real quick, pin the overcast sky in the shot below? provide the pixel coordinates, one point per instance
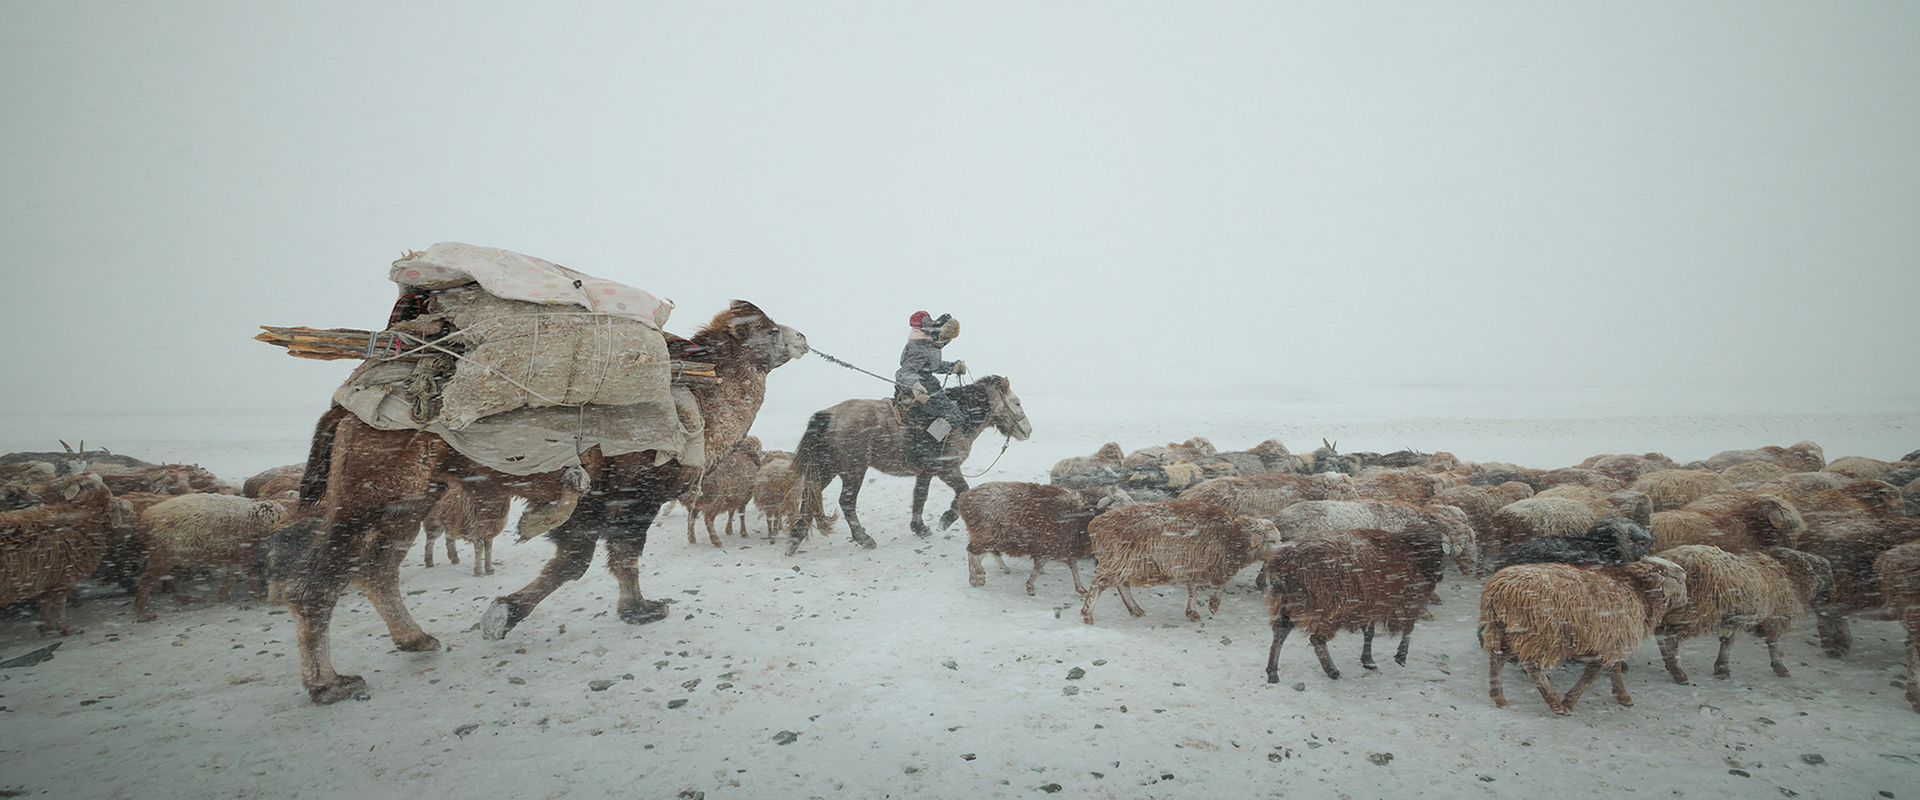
(1701, 206)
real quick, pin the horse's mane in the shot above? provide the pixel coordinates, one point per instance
(972, 399)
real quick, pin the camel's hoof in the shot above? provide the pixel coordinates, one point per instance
(344, 687)
(141, 618)
(422, 643)
(641, 612)
(500, 618)
(1333, 674)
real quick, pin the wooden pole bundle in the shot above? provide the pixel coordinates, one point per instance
(335, 343)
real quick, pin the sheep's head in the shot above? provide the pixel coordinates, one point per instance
(1110, 452)
(1783, 522)
(1811, 573)
(1662, 582)
(1263, 537)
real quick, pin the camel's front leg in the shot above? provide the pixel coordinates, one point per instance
(573, 553)
(312, 609)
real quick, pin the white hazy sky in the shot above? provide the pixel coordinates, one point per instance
(1698, 206)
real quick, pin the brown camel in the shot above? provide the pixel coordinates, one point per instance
(367, 490)
(847, 439)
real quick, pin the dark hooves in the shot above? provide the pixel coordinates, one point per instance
(346, 687)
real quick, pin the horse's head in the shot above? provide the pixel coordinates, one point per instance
(1003, 408)
(767, 344)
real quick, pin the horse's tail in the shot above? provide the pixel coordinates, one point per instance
(813, 470)
(313, 482)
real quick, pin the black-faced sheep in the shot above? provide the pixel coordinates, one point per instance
(1544, 614)
(1802, 457)
(202, 530)
(725, 489)
(1031, 520)
(1851, 543)
(1104, 468)
(1899, 572)
(1764, 591)
(1612, 540)
(1386, 515)
(1732, 521)
(46, 550)
(1672, 488)
(1149, 544)
(1328, 581)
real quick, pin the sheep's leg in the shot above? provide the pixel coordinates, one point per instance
(1774, 656)
(1618, 673)
(226, 586)
(1282, 625)
(1073, 565)
(1494, 637)
(53, 612)
(1126, 596)
(1400, 653)
(1721, 669)
(1326, 659)
(483, 554)
(156, 569)
(453, 554)
(976, 574)
(426, 553)
(1586, 679)
(691, 517)
(1542, 683)
(1835, 636)
(1670, 654)
(489, 520)
(1033, 576)
(1213, 604)
(1191, 614)
(1366, 648)
(1086, 606)
(714, 538)
(1002, 561)
(1911, 620)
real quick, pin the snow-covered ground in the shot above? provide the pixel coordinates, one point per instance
(862, 674)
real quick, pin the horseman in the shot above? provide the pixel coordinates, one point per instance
(929, 413)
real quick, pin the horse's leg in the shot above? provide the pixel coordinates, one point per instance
(849, 498)
(958, 483)
(920, 484)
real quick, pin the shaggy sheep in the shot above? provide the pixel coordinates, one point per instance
(1672, 488)
(1626, 467)
(1870, 498)
(17, 482)
(1544, 614)
(776, 491)
(1578, 476)
(461, 514)
(1483, 475)
(1328, 581)
(1625, 502)
(1479, 502)
(202, 530)
(1764, 591)
(1899, 573)
(1104, 468)
(1407, 485)
(1533, 518)
(1612, 540)
(1902, 474)
(1851, 543)
(1910, 496)
(1860, 467)
(271, 482)
(1266, 495)
(1802, 457)
(1170, 453)
(1267, 456)
(1042, 522)
(1732, 521)
(1149, 544)
(1747, 472)
(725, 489)
(1387, 515)
(46, 550)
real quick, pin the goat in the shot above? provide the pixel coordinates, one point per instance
(1899, 572)
(1147, 544)
(1544, 614)
(1328, 581)
(1038, 521)
(1764, 591)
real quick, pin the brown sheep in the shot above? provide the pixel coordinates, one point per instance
(17, 482)
(1579, 476)
(1802, 457)
(1170, 453)
(1408, 485)
(476, 518)
(1851, 543)
(1899, 572)
(725, 489)
(776, 492)
(1670, 489)
(202, 530)
(1626, 467)
(1387, 515)
(1328, 581)
(1732, 521)
(1104, 468)
(1763, 591)
(271, 482)
(1628, 503)
(1544, 614)
(1031, 520)
(1870, 498)
(1148, 544)
(1753, 472)
(46, 550)
(1860, 467)
(1479, 502)
(1266, 495)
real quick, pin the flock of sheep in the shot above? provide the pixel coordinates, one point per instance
(1581, 563)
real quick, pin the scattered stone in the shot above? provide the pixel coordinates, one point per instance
(1076, 674)
(1051, 788)
(968, 756)
(1740, 772)
(39, 656)
(1765, 721)
(950, 664)
(517, 681)
(786, 737)
(1300, 687)
(1099, 662)
(463, 730)
(600, 685)
(1380, 759)
(1226, 640)
(1486, 778)
(672, 704)
(1813, 758)
(1070, 690)
(689, 685)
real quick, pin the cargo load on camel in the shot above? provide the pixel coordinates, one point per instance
(518, 363)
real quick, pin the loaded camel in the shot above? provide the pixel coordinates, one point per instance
(366, 491)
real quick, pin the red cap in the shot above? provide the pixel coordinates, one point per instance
(919, 318)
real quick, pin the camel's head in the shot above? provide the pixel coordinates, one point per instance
(767, 344)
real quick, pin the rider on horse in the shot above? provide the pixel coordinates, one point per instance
(929, 413)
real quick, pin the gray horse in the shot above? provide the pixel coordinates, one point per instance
(846, 440)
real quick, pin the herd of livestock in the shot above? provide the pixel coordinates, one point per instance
(1581, 563)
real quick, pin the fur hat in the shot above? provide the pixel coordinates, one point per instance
(944, 329)
(919, 319)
